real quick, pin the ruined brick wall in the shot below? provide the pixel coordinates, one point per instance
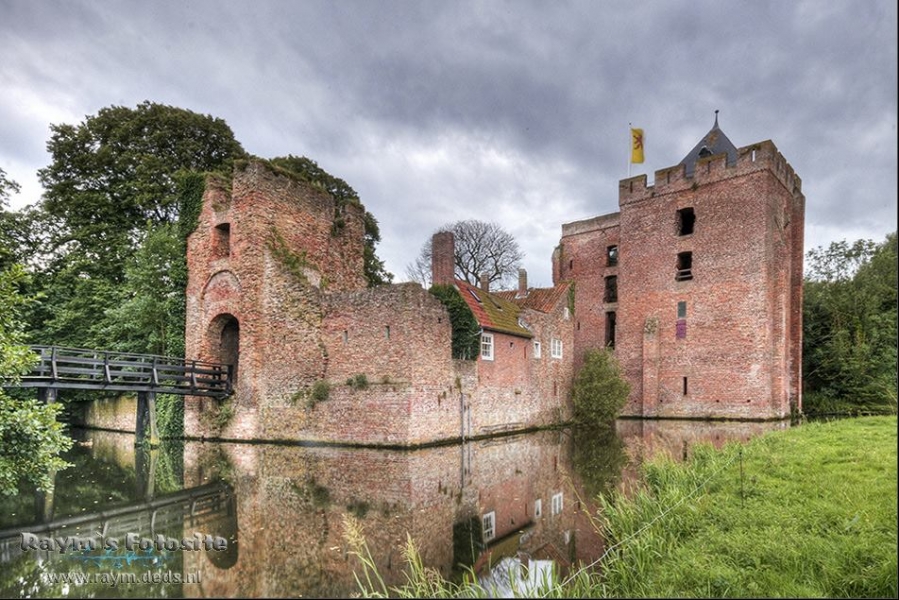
(264, 249)
(735, 352)
(393, 333)
(276, 287)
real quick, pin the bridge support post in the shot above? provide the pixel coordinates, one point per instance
(145, 430)
(47, 395)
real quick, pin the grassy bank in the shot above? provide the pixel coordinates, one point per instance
(813, 515)
(805, 512)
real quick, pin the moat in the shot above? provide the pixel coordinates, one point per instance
(284, 510)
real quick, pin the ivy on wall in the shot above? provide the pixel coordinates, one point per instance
(466, 331)
(294, 262)
(191, 186)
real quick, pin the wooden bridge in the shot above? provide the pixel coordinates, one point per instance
(62, 368)
(80, 369)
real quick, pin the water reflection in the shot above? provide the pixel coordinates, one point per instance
(521, 503)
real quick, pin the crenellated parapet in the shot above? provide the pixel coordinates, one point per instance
(761, 156)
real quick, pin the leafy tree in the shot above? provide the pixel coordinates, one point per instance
(30, 436)
(148, 315)
(850, 326)
(112, 179)
(7, 186)
(599, 390)
(116, 171)
(479, 248)
(343, 194)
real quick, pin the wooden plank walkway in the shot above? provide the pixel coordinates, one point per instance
(81, 369)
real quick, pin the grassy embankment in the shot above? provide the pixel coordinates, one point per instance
(806, 512)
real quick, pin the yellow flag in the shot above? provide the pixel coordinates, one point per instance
(636, 145)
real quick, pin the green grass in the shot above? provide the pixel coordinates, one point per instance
(805, 512)
(813, 515)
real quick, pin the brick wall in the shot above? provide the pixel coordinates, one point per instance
(737, 352)
(273, 281)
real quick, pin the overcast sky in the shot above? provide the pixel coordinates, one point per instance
(515, 113)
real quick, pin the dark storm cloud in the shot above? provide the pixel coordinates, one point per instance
(514, 112)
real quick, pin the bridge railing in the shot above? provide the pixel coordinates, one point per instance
(79, 368)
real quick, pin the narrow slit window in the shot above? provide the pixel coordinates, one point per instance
(611, 290)
(488, 525)
(610, 329)
(685, 386)
(686, 220)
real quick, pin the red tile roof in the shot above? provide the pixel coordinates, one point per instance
(499, 311)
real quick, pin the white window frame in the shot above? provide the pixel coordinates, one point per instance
(557, 504)
(556, 350)
(538, 508)
(537, 350)
(487, 346)
(488, 525)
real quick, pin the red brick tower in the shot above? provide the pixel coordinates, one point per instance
(697, 284)
(266, 246)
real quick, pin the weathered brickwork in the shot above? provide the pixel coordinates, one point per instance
(276, 286)
(707, 323)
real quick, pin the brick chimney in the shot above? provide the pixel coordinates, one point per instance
(442, 263)
(522, 284)
(485, 282)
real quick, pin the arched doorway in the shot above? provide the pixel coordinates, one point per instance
(224, 342)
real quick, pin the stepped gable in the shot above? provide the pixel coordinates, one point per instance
(491, 310)
(714, 142)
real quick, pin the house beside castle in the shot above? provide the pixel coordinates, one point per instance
(276, 288)
(696, 282)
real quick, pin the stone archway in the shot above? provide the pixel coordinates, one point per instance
(223, 342)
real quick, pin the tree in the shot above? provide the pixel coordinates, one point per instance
(112, 178)
(850, 326)
(117, 171)
(480, 248)
(30, 436)
(7, 186)
(148, 313)
(599, 390)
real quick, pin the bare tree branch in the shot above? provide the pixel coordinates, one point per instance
(479, 248)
